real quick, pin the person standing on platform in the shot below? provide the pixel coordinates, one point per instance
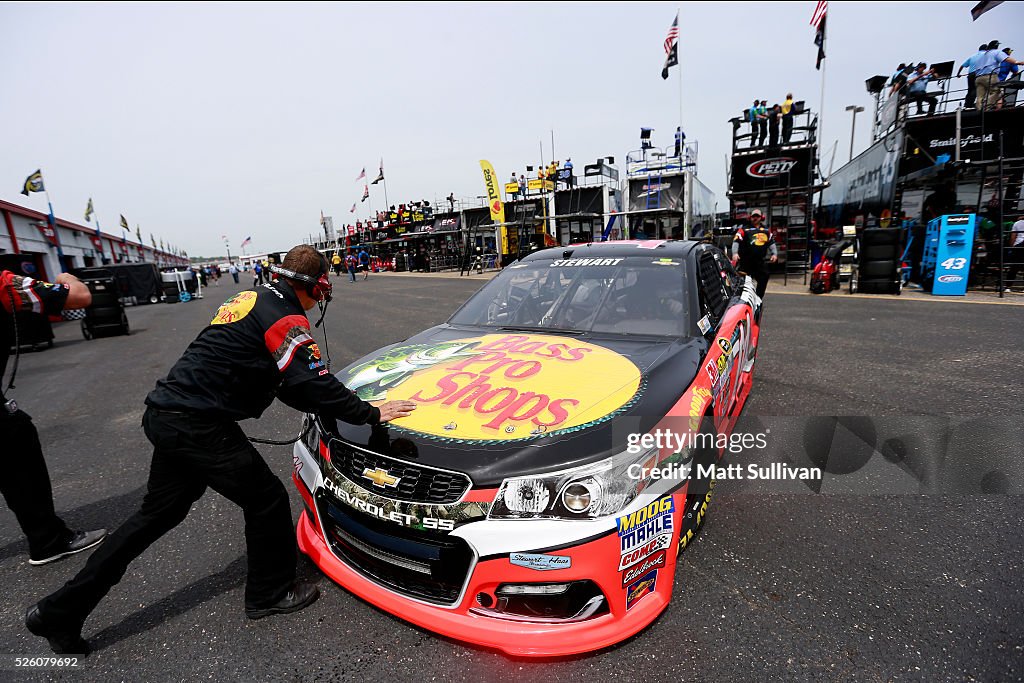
(774, 120)
(787, 118)
(680, 138)
(917, 89)
(762, 122)
(987, 78)
(752, 116)
(749, 248)
(971, 64)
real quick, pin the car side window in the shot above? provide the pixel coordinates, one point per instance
(713, 292)
(730, 278)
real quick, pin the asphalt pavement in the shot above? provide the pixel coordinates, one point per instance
(865, 584)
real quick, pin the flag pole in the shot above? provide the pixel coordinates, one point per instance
(824, 65)
(56, 233)
(679, 66)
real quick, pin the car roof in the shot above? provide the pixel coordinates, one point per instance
(617, 248)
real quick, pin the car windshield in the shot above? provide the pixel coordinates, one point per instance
(621, 295)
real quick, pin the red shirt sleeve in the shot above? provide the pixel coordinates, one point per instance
(19, 293)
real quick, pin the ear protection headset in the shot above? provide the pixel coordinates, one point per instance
(319, 288)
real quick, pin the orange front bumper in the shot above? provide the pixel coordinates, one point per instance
(595, 560)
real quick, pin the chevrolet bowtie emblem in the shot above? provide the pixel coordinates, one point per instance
(380, 477)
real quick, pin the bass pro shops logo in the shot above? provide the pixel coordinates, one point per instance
(767, 168)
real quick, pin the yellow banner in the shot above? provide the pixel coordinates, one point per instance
(538, 184)
(494, 201)
(511, 188)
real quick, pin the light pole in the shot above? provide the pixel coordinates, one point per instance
(853, 124)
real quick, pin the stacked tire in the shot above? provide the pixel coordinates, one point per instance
(878, 268)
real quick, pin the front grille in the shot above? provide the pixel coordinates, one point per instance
(429, 569)
(416, 483)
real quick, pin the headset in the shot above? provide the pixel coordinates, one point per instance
(319, 288)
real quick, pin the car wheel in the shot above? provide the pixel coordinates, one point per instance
(694, 515)
(699, 492)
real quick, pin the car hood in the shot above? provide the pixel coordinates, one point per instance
(496, 403)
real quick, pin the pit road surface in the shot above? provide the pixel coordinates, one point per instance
(777, 587)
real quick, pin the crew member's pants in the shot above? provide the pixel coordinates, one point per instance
(26, 485)
(988, 92)
(787, 128)
(773, 133)
(923, 97)
(190, 453)
(969, 98)
(762, 131)
(234, 276)
(760, 275)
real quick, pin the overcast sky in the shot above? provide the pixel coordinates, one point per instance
(199, 120)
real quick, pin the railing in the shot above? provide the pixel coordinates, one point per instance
(893, 111)
(651, 160)
(746, 136)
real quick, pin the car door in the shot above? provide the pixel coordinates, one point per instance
(731, 320)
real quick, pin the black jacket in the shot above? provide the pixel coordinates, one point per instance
(257, 347)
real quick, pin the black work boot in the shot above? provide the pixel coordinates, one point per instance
(302, 595)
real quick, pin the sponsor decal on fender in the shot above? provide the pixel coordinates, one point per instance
(500, 387)
(235, 308)
(950, 278)
(774, 166)
(643, 587)
(540, 562)
(645, 532)
(653, 562)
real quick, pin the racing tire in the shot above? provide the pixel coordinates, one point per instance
(125, 330)
(154, 299)
(86, 332)
(698, 494)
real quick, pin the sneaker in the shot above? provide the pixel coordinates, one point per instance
(302, 595)
(79, 541)
(63, 641)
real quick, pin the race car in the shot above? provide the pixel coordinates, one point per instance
(561, 455)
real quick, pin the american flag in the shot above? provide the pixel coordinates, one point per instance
(246, 241)
(818, 22)
(362, 174)
(671, 47)
(819, 13)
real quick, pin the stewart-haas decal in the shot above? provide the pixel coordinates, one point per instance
(412, 515)
(645, 532)
(500, 387)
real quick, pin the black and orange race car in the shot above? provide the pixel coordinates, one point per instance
(535, 501)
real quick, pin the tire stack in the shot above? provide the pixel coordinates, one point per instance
(878, 267)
